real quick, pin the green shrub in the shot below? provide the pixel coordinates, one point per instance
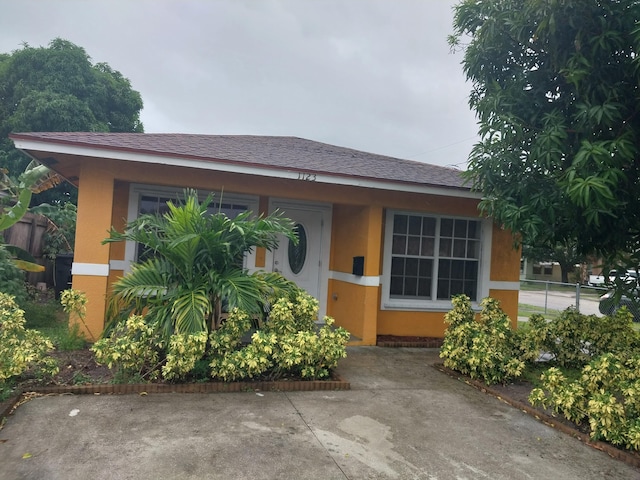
(132, 350)
(573, 339)
(607, 396)
(21, 349)
(484, 349)
(183, 352)
(229, 360)
(12, 279)
(532, 340)
(288, 344)
(74, 303)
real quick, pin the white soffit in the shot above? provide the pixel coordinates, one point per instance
(235, 167)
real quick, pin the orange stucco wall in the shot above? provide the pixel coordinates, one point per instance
(509, 302)
(95, 202)
(355, 308)
(505, 267)
(505, 257)
(357, 230)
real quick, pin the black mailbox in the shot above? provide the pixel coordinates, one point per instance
(358, 266)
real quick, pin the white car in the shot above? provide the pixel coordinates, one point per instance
(631, 276)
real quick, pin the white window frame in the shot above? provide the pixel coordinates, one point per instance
(484, 265)
(137, 191)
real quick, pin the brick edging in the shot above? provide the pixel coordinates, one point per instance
(205, 387)
(434, 344)
(622, 455)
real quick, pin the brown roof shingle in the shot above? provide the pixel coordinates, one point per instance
(286, 153)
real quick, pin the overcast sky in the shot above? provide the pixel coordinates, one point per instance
(374, 75)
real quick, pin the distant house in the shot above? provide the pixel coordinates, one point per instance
(546, 271)
(389, 241)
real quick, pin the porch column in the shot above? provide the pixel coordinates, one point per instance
(373, 269)
(354, 299)
(91, 259)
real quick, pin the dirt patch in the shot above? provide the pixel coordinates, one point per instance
(79, 367)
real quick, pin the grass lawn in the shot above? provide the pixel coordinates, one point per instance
(542, 286)
(525, 310)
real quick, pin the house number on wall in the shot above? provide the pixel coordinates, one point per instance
(308, 177)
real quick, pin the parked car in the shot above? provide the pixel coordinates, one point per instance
(630, 276)
(609, 306)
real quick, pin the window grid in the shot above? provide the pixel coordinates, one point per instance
(425, 248)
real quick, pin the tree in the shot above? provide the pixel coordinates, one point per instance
(58, 89)
(556, 89)
(194, 264)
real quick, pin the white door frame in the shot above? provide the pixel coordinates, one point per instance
(326, 210)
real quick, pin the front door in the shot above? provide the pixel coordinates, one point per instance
(304, 263)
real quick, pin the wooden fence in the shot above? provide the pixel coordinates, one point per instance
(28, 234)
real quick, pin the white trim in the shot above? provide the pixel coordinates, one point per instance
(118, 265)
(498, 285)
(167, 159)
(90, 269)
(364, 281)
(486, 244)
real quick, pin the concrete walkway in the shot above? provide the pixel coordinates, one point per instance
(402, 419)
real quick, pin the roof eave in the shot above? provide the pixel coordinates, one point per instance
(55, 146)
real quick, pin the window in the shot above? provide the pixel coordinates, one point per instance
(543, 269)
(153, 199)
(430, 258)
(297, 253)
(158, 204)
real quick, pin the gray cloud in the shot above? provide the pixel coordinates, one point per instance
(374, 75)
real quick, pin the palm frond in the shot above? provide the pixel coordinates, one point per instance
(190, 310)
(146, 282)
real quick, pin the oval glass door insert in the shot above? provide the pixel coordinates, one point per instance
(298, 253)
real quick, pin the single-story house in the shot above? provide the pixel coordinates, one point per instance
(543, 271)
(388, 241)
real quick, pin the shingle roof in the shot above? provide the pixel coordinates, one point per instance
(286, 153)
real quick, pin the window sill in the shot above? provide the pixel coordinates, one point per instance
(423, 306)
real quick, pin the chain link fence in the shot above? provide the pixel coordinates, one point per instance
(550, 298)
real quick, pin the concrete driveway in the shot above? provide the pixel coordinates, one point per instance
(402, 419)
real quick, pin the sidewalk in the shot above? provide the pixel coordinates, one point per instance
(401, 419)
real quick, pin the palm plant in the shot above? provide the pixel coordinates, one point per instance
(15, 197)
(194, 264)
